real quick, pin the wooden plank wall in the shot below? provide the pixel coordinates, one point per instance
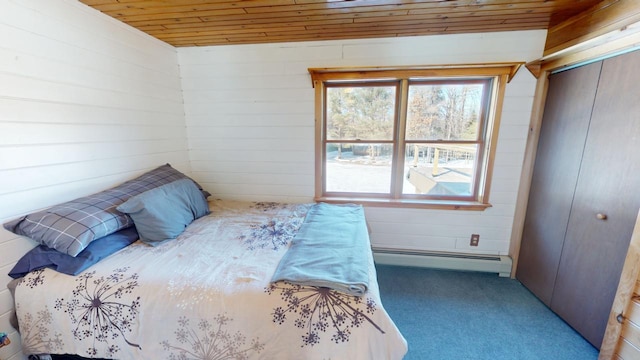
(250, 121)
(629, 342)
(622, 337)
(85, 103)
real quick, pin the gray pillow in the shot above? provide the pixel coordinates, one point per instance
(71, 226)
(163, 213)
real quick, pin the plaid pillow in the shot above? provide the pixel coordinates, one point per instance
(71, 226)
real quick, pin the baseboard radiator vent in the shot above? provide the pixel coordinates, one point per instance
(499, 264)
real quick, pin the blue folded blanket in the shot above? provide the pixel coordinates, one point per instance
(330, 250)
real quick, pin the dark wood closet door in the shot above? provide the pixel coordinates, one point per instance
(605, 204)
(562, 136)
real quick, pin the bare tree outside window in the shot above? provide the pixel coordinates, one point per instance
(360, 125)
(408, 136)
(438, 117)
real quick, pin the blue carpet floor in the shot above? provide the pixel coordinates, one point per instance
(456, 315)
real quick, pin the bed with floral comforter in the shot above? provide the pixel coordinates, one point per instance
(205, 295)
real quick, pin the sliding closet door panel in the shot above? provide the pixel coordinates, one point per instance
(564, 129)
(606, 202)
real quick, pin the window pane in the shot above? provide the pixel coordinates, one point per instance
(364, 113)
(358, 168)
(444, 111)
(443, 169)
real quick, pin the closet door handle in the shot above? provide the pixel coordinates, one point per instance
(601, 216)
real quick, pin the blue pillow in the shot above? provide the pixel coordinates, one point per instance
(163, 213)
(43, 256)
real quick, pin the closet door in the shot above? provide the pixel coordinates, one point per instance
(605, 204)
(562, 136)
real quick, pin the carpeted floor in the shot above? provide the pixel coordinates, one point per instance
(446, 315)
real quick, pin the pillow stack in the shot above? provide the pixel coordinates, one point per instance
(163, 213)
(161, 202)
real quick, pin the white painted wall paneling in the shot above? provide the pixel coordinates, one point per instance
(86, 103)
(250, 123)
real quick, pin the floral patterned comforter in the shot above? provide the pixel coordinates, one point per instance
(205, 295)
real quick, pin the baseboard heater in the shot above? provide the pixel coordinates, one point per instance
(444, 260)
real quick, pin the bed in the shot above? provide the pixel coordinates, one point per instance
(208, 293)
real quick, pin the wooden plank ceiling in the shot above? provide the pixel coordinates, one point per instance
(219, 22)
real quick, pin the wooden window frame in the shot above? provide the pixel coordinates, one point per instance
(497, 74)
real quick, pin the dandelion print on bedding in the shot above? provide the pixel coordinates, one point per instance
(103, 309)
(318, 310)
(209, 340)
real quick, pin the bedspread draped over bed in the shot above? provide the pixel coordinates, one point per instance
(205, 295)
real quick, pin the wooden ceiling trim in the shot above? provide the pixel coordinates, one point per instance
(178, 15)
(278, 12)
(414, 23)
(607, 16)
(279, 36)
(195, 21)
(468, 17)
(223, 34)
(196, 5)
(219, 22)
(379, 21)
(149, 29)
(439, 6)
(600, 47)
(326, 17)
(290, 19)
(459, 12)
(177, 28)
(426, 19)
(155, 7)
(99, 2)
(287, 37)
(380, 72)
(606, 29)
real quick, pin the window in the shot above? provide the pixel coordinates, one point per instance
(408, 137)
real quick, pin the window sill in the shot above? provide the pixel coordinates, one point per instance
(408, 203)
